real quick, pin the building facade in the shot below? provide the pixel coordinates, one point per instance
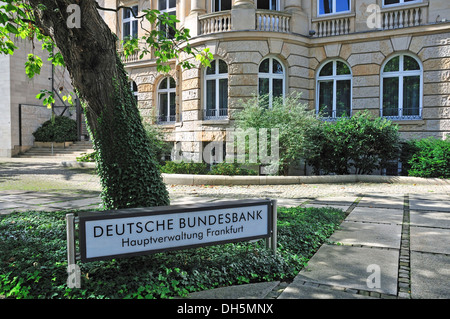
(21, 112)
(391, 57)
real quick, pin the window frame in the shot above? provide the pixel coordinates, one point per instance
(130, 20)
(401, 3)
(213, 6)
(278, 6)
(401, 74)
(271, 76)
(335, 78)
(168, 91)
(334, 9)
(167, 10)
(216, 77)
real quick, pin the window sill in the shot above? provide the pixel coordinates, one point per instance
(216, 121)
(333, 16)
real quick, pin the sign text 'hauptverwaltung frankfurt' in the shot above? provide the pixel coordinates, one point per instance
(139, 231)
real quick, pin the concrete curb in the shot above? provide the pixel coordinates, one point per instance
(187, 179)
(191, 179)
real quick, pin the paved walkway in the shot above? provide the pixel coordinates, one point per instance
(394, 242)
(389, 246)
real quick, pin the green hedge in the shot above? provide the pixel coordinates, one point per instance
(60, 129)
(430, 157)
(33, 260)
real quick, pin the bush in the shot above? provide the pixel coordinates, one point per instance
(33, 260)
(184, 168)
(360, 144)
(60, 129)
(430, 158)
(230, 169)
(289, 116)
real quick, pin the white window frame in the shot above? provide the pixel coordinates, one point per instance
(271, 76)
(334, 77)
(276, 9)
(334, 9)
(130, 20)
(401, 74)
(213, 6)
(168, 9)
(401, 3)
(216, 77)
(167, 91)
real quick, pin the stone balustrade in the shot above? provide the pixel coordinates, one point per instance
(403, 17)
(275, 21)
(331, 26)
(215, 22)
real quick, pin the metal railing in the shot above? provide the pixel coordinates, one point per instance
(215, 114)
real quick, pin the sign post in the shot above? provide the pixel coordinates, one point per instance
(140, 231)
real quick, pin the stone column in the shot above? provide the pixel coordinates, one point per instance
(243, 15)
(292, 5)
(244, 3)
(198, 7)
(299, 20)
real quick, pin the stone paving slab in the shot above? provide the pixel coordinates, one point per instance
(430, 276)
(248, 291)
(347, 266)
(368, 234)
(331, 205)
(431, 240)
(442, 205)
(383, 201)
(430, 219)
(300, 290)
(376, 215)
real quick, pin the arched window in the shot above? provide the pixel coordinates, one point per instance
(216, 90)
(271, 79)
(166, 101)
(334, 89)
(401, 87)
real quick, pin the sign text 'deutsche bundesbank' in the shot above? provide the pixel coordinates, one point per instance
(137, 232)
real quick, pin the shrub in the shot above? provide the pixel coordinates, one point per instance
(361, 144)
(184, 168)
(431, 158)
(230, 169)
(289, 116)
(59, 129)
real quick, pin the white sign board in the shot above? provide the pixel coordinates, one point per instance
(131, 232)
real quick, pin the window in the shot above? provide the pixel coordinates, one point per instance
(271, 79)
(130, 23)
(220, 5)
(333, 6)
(334, 90)
(134, 89)
(268, 4)
(393, 2)
(216, 90)
(401, 87)
(166, 101)
(168, 6)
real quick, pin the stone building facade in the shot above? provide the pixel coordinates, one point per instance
(391, 57)
(21, 113)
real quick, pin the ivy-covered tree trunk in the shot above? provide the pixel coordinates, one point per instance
(126, 165)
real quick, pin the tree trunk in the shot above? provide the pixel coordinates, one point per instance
(125, 162)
